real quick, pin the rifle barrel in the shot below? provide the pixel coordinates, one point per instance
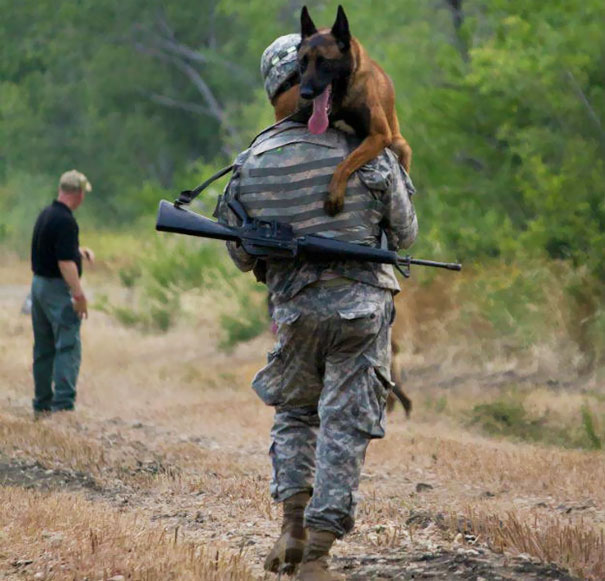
(419, 262)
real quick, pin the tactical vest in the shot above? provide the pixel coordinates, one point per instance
(285, 177)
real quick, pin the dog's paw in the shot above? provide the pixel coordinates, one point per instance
(334, 205)
(405, 158)
(336, 195)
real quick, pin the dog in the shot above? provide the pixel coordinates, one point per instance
(341, 85)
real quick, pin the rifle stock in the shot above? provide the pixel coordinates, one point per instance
(176, 219)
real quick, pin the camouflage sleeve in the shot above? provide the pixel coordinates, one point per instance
(399, 223)
(225, 215)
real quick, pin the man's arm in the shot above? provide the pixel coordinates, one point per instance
(66, 246)
(69, 272)
(400, 223)
(225, 215)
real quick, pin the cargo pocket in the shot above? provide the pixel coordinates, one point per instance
(368, 403)
(69, 316)
(268, 382)
(68, 329)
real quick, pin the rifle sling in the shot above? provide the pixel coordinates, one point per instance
(187, 196)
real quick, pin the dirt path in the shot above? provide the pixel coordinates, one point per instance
(167, 431)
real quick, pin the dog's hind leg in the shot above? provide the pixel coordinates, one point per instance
(399, 145)
(403, 151)
(397, 391)
(406, 402)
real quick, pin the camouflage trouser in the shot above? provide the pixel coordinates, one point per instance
(328, 378)
(57, 347)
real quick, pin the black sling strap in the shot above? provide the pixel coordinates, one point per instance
(187, 196)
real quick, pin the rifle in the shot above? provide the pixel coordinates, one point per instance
(272, 239)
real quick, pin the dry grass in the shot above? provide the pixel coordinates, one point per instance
(67, 537)
(476, 322)
(170, 429)
(552, 540)
(52, 444)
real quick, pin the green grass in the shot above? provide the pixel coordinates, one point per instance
(588, 423)
(250, 320)
(508, 417)
(173, 267)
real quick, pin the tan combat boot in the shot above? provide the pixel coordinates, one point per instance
(287, 551)
(314, 566)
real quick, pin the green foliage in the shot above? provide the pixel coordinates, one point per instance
(589, 428)
(438, 405)
(172, 269)
(128, 317)
(249, 320)
(505, 113)
(129, 275)
(21, 199)
(509, 417)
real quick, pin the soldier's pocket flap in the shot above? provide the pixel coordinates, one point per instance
(377, 174)
(285, 315)
(365, 311)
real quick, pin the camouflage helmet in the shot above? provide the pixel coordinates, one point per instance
(279, 62)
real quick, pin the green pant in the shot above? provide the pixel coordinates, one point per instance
(57, 348)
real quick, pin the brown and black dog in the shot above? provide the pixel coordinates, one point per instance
(341, 85)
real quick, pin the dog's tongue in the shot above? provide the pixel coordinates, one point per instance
(318, 123)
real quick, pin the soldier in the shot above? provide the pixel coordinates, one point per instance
(329, 374)
(58, 301)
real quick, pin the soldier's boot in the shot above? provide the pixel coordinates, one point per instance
(288, 550)
(314, 566)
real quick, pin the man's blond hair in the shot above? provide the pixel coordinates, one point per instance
(74, 181)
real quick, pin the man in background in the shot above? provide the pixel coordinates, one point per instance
(58, 301)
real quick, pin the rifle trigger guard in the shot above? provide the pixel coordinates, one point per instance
(404, 269)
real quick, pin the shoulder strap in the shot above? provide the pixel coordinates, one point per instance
(187, 196)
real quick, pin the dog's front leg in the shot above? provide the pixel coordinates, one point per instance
(368, 149)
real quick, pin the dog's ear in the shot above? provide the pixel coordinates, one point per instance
(340, 30)
(307, 27)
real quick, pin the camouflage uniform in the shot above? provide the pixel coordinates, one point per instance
(329, 373)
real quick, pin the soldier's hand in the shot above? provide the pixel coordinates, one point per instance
(88, 254)
(81, 306)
